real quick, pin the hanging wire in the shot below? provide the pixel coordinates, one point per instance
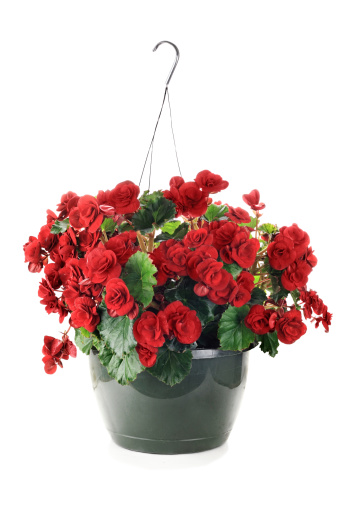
(172, 130)
(166, 94)
(152, 140)
(150, 166)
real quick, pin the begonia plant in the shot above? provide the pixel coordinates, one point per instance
(144, 280)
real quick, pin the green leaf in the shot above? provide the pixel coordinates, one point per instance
(269, 343)
(170, 227)
(146, 197)
(252, 223)
(117, 332)
(268, 228)
(85, 332)
(234, 269)
(125, 227)
(154, 214)
(171, 367)
(143, 220)
(138, 276)
(214, 212)
(125, 369)
(258, 297)
(105, 356)
(179, 233)
(232, 332)
(277, 289)
(108, 225)
(60, 227)
(295, 296)
(83, 341)
(97, 343)
(184, 292)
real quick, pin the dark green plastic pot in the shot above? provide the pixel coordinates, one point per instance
(195, 415)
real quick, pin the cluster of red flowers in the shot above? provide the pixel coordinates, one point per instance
(289, 251)
(289, 325)
(54, 350)
(177, 320)
(84, 265)
(192, 197)
(197, 257)
(312, 303)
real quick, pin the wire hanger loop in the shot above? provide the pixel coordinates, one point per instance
(166, 95)
(176, 61)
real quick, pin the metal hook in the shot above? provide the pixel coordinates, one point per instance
(176, 61)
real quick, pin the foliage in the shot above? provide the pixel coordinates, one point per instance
(232, 331)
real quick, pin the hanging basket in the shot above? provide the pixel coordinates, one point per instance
(168, 291)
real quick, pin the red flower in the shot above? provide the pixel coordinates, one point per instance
(124, 197)
(224, 234)
(194, 200)
(71, 293)
(290, 327)
(210, 183)
(150, 328)
(196, 257)
(66, 246)
(241, 250)
(146, 355)
(176, 257)
(47, 240)
(252, 200)
(123, 246)
(312, 303)
(32, 250)
(54, 350)
(86, 214)
(197, 238)
(281, 252)
(102, 265)
(238, 215)
(300, 238)
(68, 201)
(245, 284)
(224, 296)
(52, 275)
(258, 320)
(176, 181)
(118, 299)
(183, 322)
(310, 258)
(104, 199)
(325, 319)
(51, 302)
(212, 274)
(70, 270)
(51, 217)
(296, 275)
(158, 257)
(174, 195)
(85, 314)
(88, 240)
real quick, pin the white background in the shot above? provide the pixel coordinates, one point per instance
(255, 99)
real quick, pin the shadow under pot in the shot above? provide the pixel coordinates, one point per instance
(195, 415)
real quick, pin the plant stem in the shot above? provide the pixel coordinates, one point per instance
(154, 305)
(141, 242)
(151, 237)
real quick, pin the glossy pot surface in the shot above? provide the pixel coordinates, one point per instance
(195, 415)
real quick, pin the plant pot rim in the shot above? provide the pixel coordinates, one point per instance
(210, 353)
(213, 353)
